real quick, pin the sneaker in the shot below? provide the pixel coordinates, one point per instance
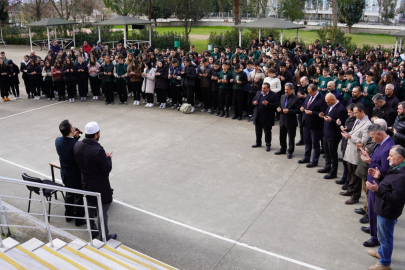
(151, 105)
(147, 105)
(203, 110)
(174, 106)
(53, 98)
(199, 104)
(38, 97)
(97, 97)
(70, 100)
(29, 97)
(4, 99)
(209, 110)
(192, 109)
(106, 103)
(120, 103)
(15, 98)
(161, 106)
(94, 97)
(49, 99)
(164, 106)
(73, 100)
(125, 103)
(84, 98)
(138, 103)
(135, 103)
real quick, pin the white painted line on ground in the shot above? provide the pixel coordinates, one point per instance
(32, 110)
(189, 227)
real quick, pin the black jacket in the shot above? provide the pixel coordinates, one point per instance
(69, 171)
(82, 75)
(387, 113)
(318, 105)
(332, 131)
(399, 126)
(69, 76)
(205, 81)
(13, 70)
(390, 195)
(289, 120)
(162, 80)
(265, 114)
(23, 69)
(37, 69)
(393, 101)
(189, 75)
(95, 167)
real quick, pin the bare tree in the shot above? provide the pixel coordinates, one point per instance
(34, 8)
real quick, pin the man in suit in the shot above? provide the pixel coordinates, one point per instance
(69, 170)
(96, 166)
(332, 134)
(377, 159)
(358, 134)
(289, 107)
(384, 110)
(313, 105)
(302, 93)
(266, 103)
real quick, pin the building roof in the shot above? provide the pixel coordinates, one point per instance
(270, 23)
(51, 22)
(123, 20)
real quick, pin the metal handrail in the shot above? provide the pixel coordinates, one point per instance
(4, 223)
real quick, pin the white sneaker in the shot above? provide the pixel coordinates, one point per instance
(161, 106)
(138, 102)
(192, 109)
(97, 97)
(209, 110)
(134, 103)
(70, 100)
(151, 105)
(199, 104)
(147, 105)
(84, 98)
(203, 110)
(49, 99)
(53, 98)
(164, 106)
(73, 100)
(15, 98)
(38, 97)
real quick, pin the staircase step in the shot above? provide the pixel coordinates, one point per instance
(26, 259)
(82, 260)
(144, 258)
(8, 263)
(106, 258)
(56, 259)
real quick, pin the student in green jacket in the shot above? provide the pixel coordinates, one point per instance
(228, 53)
(120, 74)
(340, 82)
(134, 49)
(239, 52)
(225, 85)
(369, 90)
(239, 79)
(256, 54)
(215, 54)
(350, 84)
(323, 81)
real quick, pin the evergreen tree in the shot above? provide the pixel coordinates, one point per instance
(351, 12)
(4, 10)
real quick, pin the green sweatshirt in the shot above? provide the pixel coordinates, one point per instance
(228, 56)
(340, 84)
(323, 84)
(242, 77)
(349, 87)
(222, 75)
(371, 90)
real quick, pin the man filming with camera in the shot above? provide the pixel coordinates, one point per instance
(69, 170)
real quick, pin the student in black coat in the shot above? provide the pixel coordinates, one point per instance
(162, 83)
(95, 165)
(289, 108)
(69, 76)
(302, 93)
(69, 170)
(23, 68)
(313, 105)
(34, 72)
(384, 110)
(82, 77)
(189, 74)
(332, 133)
(266, 103)
(13, 80)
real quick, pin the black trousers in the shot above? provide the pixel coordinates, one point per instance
(108, 89)
(136, 88)
(331, 155)
(215, 100)
(206, 97)
(161, 95)
(300, 116)
(122, 90)
(149, 98)
(238, 102)
(355, 182)
(49, 88)
(224, 99)
(83, 86)
(60, 87)
(290, 132)
(15, 88)
(95, 86)
(259, 128)
(92, 214)
(176, 93)
(74, 211)
(3, 89)
(190, 95)
(35, 87)
(250, 106)
(27, 85)
(71, 88)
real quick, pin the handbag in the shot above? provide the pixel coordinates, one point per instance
(185, 108)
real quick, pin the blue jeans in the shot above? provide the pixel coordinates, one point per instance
(385, 234)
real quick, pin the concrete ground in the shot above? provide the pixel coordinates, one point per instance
(190, 191)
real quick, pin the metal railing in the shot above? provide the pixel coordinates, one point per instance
(3, 212)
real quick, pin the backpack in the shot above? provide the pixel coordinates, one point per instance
(185, 108)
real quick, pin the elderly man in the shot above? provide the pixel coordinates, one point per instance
(390, 98)
(332, 89)
(288, 109)
(266, 103)
(397, 131)
(356, 96)
(358, 134)
(384, 110)
(332, 134)
(33, 56)
(376, 160)
(389, 204)
(313, 105)
(302, 93)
